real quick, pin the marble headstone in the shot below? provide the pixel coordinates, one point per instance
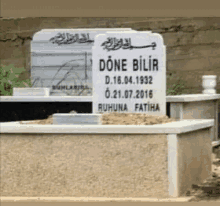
(61, 59)
(129, 73)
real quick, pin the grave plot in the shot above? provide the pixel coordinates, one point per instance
(123, 160)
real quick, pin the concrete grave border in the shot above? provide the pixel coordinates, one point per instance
(174, 131)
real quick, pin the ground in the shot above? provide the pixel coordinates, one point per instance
(210, 189)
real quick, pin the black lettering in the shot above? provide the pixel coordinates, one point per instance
(101, 65)
(135, 64)
(149, 63)
(152, 106)
(109, 64)
(145, 69)
(124, 64)
(107, 79)
(100, 107)
(140, 63)
(117, 64)
(155, 64)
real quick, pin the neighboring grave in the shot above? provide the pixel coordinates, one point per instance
(129, 73)
(61, 59)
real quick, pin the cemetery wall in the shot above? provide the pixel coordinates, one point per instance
(193, 44)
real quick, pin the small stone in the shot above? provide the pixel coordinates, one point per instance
(73, 112)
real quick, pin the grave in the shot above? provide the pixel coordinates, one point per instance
(112, 161)
(197, 106)
(153, 81)
(61, 59)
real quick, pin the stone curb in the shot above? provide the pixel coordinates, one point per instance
(91, 199)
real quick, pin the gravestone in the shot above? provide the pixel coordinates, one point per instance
(129, 73)
(61, 59)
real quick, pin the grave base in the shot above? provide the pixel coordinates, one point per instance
(115, 161)
(31, 91)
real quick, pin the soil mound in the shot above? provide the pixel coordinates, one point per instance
(120, 119)
(134, 119)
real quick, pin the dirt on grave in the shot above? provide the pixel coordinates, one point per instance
(119, 119)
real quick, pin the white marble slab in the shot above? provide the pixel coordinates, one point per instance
(62, 57)
(192, 97)
(181, 126)
(76, 119)
(45, 99)
(129, 73)
(31, 91)
(178, 98)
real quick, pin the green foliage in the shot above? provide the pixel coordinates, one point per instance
(176, 88)
(9, 79)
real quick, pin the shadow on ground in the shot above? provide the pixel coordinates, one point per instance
(210, 189)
